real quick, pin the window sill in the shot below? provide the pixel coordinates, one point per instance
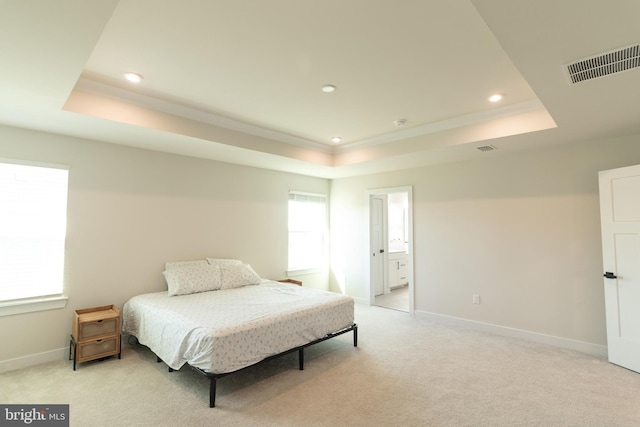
(304, 271)
(9, 308)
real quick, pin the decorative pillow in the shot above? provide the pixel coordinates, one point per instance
(175, 264)
(235, 276)
(190, 279)
(223, 263)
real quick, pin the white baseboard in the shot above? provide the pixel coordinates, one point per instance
(34, 359)
(584, 347)
(360, 301)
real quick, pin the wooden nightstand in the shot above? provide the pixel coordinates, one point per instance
(295, 282)
(95, 334)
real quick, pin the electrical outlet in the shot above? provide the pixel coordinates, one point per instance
(476, 299)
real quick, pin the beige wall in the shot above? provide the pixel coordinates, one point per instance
(130, 210)
(521, 229)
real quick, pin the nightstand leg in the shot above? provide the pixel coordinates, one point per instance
(72, 344)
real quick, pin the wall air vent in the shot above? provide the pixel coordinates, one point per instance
(604, 64)
(484, 148)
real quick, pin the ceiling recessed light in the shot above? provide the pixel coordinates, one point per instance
(328, 88)
(495, 98)
(336, 139)
(133, 77)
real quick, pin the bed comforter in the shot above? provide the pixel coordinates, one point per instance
(225, 330)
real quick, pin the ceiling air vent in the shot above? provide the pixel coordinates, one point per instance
(484, 148)
(604, 64)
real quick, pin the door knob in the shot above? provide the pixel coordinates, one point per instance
(610, 275)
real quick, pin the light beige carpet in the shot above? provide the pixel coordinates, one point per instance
(405, 372)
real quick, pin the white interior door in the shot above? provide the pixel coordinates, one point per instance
(620, 216)
(377, 243)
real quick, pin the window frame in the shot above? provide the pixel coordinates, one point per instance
(45, 301)
(323, 263)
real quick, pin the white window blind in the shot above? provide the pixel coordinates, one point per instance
(307, 231)
(33, 214)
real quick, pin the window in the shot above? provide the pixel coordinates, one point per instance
(307, 231)
(33, 215)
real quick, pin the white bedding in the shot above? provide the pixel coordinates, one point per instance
(226, 330)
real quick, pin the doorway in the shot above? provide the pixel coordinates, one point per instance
(391, 248)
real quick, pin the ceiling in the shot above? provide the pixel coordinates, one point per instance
(241, 81)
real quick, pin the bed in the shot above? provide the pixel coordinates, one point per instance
(219, 317)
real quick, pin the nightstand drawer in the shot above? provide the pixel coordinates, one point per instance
(97, 328)
(99, 348)
(96, 322)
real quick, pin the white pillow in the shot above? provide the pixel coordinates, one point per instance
(175, 264)
(235, 276)
(190, 279)
(223, 263)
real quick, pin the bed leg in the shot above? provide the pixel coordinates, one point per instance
(212, 393)
(158, 360)
(355, 335)
(301, 358)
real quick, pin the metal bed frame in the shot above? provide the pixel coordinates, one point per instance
(300, 349)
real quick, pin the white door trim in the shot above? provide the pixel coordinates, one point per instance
(368, 193)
